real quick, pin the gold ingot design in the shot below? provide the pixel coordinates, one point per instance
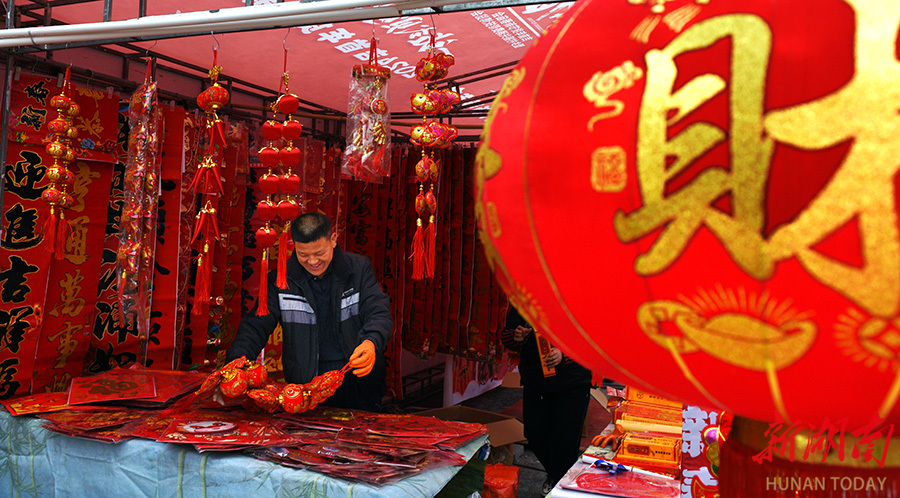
(732, 337)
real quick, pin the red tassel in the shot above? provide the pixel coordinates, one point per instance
(418, 252)
(50, 227)
(430, 236)
(281, 278)
(262, 302)
(62, 234)
(202, 286)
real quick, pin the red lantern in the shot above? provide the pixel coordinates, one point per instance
(213, 98)
(696, 203)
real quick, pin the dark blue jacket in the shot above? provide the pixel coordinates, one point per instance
(360, 307)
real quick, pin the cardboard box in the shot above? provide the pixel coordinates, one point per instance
(502, 429)
(512, 379)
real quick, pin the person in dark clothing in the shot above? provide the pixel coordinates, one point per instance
(332, 312)
(553, 407)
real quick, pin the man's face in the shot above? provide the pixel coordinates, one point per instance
(315, 256)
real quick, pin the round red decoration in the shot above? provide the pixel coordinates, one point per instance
(291, 129)
(55, 149)
(288, 104)
(290, 156)
(233, 382)
(268, 156)
(293, 399)
(268, 183)
(271, 130)
(288, 210)
(213, 98)
(266, 210)
(66, 200)
(51, 195)
(58, 126)
(423, 167)
(60, 102)
(74, 110)
(289, 184)
(379, 106)
(702, 202)
(266, 237)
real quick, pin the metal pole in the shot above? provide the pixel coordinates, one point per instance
(7, 96)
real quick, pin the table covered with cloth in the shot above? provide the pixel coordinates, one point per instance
(38, 462)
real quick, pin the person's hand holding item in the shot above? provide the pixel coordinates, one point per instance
(554, 358)
(522, 333)
(363, 358)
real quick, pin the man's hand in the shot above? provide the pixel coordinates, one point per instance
(363, 358)
(554, 358)
(522, 333)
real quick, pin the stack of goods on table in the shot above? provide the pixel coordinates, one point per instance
(638, 454)
(373, 448)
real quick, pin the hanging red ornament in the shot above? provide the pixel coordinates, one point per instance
(367, 153)
(56, 229)
(429, 135)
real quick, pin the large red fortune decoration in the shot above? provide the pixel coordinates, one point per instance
(698, 198)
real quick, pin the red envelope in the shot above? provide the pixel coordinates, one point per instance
(37, 403)
(113, 385)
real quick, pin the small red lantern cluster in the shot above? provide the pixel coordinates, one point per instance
(56, 228)
(429, 135)
(208, 182)
(288, 183)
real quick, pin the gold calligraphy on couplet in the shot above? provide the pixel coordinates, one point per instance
(864, 111)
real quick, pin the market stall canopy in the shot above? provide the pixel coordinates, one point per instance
(485, 44)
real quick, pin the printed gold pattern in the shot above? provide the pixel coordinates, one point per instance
(683, 212)
(603, 85)
(734, 338)
(861, 190)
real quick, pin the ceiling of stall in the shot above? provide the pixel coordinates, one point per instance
(485, 44)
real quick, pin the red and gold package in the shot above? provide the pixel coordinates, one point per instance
(654, 451)
(632, 394)
(544, 351)
(645, 412)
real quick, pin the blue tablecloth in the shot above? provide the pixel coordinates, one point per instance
(38, 462)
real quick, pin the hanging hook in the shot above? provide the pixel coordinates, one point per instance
(216, 46)
(284, 42)
(69, 54)
(147, 52)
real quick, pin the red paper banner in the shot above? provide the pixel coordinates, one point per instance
(73, 281)
(97, 123)
(23, 269)
(164, 305)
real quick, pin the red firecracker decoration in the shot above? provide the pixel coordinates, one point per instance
(137, 227)
(367, 154)
(429, 135)
(207, 181)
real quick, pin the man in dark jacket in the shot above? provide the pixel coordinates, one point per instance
(554, 407)
(333, 311)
